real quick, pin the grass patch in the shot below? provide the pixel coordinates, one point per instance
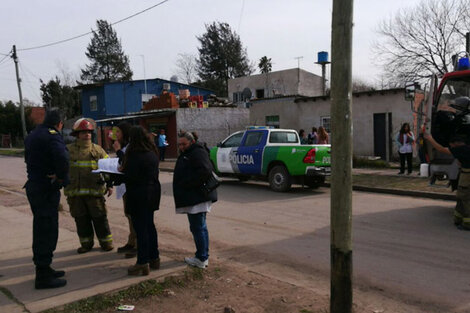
(12, 152)
(359, 162)
(133, 293)
(400, 182)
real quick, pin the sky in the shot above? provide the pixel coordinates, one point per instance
(279, 29)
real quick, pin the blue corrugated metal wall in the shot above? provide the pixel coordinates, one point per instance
(118, 98)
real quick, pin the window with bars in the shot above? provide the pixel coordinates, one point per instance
(273, 120)
(325, 121)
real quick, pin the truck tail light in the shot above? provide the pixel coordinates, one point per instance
(310, 157)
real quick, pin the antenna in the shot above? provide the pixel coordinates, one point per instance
(298, 60)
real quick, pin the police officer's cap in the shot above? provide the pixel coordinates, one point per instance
(53, 117)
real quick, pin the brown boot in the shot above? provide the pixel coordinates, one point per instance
(107, 246)
(84, 249)
(155, 264)
(131, 254)
(138, 269)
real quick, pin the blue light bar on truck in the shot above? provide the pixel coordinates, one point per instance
(464, 64)
(259, 127)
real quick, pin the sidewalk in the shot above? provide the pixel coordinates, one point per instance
(87, 274)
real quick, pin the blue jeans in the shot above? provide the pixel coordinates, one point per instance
(198, 227)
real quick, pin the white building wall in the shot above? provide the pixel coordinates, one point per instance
(288, 82)
(306, 114)
(212, 124)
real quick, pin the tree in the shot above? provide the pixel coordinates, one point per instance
(420, 41)
(265, 65)
(108, 61)
(361, 85)
(186, 65)
(55, 94)
(10, 120)
(221, 56)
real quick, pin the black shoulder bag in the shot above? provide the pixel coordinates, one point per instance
(210, 184)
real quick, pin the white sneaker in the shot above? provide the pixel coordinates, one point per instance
(196, 262)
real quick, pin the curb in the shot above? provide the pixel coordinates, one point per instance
(399, 192)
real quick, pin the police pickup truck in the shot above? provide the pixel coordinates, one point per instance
(275, 154)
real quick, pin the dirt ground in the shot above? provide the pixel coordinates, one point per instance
(230, 289)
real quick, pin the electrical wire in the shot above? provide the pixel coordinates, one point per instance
(28, 81)
(88, 33)
(4, 58)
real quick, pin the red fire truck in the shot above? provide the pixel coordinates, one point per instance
(445, 112)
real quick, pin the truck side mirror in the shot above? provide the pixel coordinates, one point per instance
(410, 89)
(219, 144)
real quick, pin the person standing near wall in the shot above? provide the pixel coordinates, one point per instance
(404, 140)
(47, 165)
(313, 136)
(323, 137)
(162, 144)
(193, 168)
(303, 137)
(85, 193)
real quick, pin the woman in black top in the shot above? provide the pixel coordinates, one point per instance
(140, 168)
(120, 146)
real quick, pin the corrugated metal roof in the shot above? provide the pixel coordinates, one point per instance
(157, 112)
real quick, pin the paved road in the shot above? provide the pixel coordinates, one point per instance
(404, 248)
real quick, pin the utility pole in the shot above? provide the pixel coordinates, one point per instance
(341, 163)
(18, 80)
(467, 42)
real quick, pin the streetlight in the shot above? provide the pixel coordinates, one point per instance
(143, 63)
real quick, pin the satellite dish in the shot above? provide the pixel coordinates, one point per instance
(246, 94)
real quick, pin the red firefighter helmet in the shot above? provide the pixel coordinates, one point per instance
(83, 124)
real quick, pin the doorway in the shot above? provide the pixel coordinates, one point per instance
(382, 135)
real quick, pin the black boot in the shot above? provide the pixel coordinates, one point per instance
(55, 273)
(45, 279)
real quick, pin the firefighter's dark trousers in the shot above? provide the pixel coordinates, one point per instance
(89, 213)
(44, 201)
(462, 209)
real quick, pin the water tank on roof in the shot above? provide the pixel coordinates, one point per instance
(322, 57)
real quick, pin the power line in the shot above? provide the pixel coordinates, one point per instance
(88, 33)
(29, 83)
(5, 56)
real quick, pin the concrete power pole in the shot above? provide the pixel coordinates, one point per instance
(341, 178)
(18, 80)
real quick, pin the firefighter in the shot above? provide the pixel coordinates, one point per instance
(85, 194)
(47, 165)
(461, 151)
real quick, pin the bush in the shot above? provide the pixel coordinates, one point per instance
(367, 162)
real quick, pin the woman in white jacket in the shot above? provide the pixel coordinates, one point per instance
(404, 140)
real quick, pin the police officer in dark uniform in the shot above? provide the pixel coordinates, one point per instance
(47, 164)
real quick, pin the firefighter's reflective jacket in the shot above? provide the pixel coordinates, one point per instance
(84, 158)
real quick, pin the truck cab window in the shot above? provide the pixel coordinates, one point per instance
(233, 141)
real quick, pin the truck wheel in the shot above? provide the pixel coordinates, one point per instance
(314, 182)
(279, 179)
